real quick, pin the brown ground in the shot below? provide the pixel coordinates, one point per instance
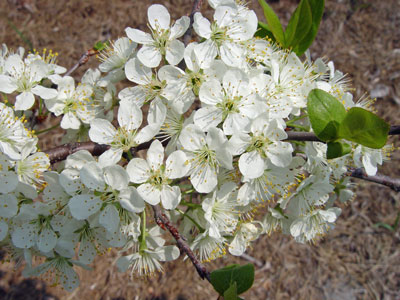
(356, 260)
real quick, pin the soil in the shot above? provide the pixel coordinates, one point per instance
(355, 260)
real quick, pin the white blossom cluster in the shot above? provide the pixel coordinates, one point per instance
(215, 114)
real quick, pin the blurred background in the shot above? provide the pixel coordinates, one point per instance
(359, 259)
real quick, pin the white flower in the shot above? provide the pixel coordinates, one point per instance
(247, 233)
(31, 167)
(315, 223)
(224, 36)
(156, 178)
(24, 78)
(76, 104)
(220, 211)
(370, 158)
(206, 155)
(163, 39)
(13, 135)
(147, 262)
(114, 57)
(263, 145)
(207, 247)
(234, 104)
(149, 88)
(62, 269)
(125, 137)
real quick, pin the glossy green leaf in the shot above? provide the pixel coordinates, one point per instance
(364, 127)
(231, 292)
(325, 113)
(263, 31)
(337, 149)
(317, 10)
(274, 24)
(222, 279)
(299, 24)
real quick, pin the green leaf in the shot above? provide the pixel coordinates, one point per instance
(325, 113)
(317, 10)
(274, 24)
(263, 31)
(299, 24)
(222, 279)
(231, 292)
(337, 149)
(364, 127)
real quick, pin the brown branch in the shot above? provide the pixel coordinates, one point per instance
(188, 34)
(392, 183)
(60, 153)
(83, 60)
(163, 221)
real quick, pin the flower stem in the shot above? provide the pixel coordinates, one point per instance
(48, 129)
(201, 229)
(143, 245)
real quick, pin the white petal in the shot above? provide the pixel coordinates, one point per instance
(8, 181)
(147, 133)
(70, 121)
(202, 26)
(136, 94)
(179, 28)
(111, 157)
(174, 52)
(251, 164)
(224, 15)
(177, 165)
(232, 54)
(24, 101)
(116, 177)
(3, 230)
(204, 179)
(236, 122)
(130, 116)
(170, 196)
(155, 155)
(280, 154)
(45, 93)
(7, 85)
(87, 252)
(102, 131)
(138, 170)
(137, 72)
(138, 36)
(83, 206)
(131, 200)
(149, 193)
(8, 206)
(149, 55)
(92, 176)
(47, 240)
(369, 167)
(109, 218)
(205, 53)
(168, 253)
(208, 117)
(211, 92)
(157, 112)
(24, 236)
(159, 17)
(192, 138)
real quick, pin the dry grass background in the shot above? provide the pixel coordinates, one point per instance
(356, 260)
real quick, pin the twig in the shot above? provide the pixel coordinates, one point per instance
(61, 152)
(253, 260)
(83, 60)
(188, 34)
(162, 220)
(392, 183)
